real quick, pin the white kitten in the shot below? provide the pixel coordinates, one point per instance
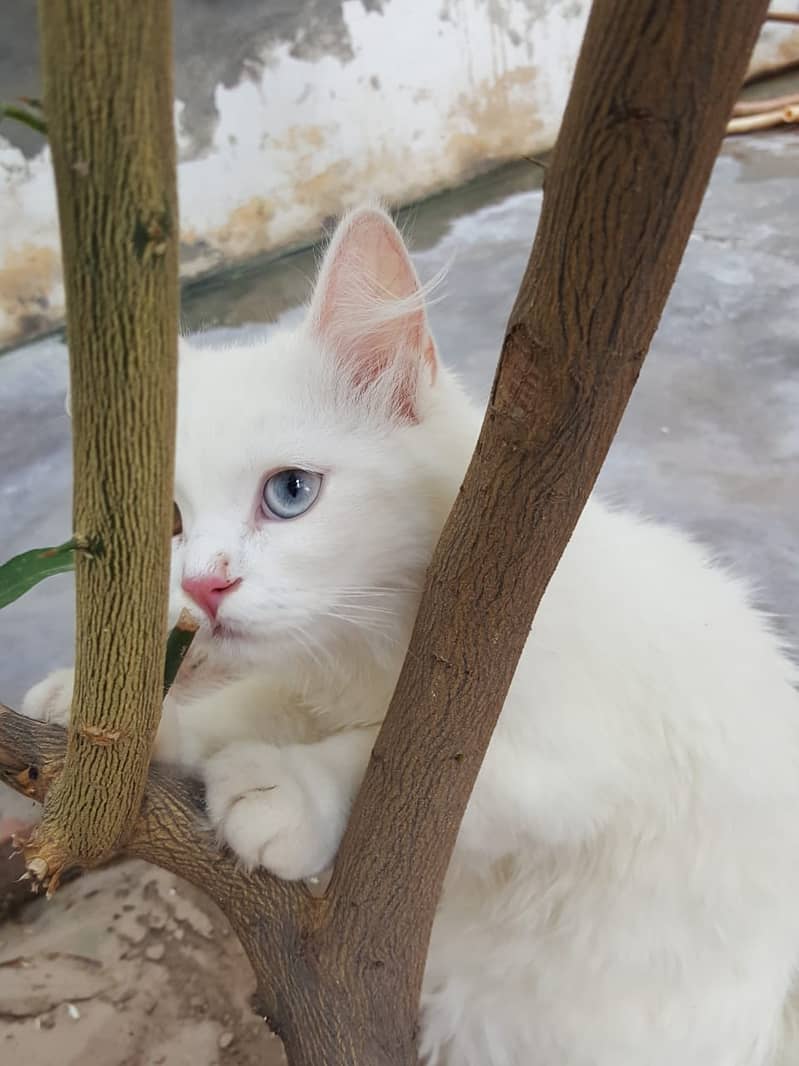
(625, 889)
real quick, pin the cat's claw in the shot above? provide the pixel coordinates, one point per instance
(261, 804)
(51, 700)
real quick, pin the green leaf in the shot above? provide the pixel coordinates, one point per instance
(21, 573)
(23, 115)
(177, 645)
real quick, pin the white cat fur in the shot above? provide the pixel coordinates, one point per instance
(625, 888)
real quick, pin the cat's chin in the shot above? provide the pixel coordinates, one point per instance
(223, 646)
(230, 643)
(225, 632)
(229, 646)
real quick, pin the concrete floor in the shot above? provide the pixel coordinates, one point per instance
(710, 441)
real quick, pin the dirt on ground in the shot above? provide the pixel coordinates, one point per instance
(127, 966)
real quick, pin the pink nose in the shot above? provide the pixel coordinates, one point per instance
(208, 590)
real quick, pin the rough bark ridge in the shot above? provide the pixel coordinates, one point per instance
(339, 977)
(108, 97)
(654, 85)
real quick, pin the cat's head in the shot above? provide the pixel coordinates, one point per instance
(314, 470)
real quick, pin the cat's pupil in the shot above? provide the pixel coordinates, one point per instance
(177, 520)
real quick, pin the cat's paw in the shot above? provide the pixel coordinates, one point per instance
(51, 699)
(274, 808)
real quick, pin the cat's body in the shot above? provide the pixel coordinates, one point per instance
(625, 888)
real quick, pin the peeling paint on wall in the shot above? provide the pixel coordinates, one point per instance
(778, 43)
(29, 278)
(286, 113)
(425, 95)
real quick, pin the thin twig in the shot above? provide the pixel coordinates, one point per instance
(766, 120)
(772, 103)
(783, 16)
(773, 70)
(172, 832)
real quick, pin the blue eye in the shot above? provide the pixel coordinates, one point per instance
(290, 493)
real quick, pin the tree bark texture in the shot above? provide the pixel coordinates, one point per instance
(339, 977)
(107, 67)
(654, 86)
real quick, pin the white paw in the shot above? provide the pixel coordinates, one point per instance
(274, 807)
(51, 699)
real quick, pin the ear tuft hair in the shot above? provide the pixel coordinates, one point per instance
(369, 311)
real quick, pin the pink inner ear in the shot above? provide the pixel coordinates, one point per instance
(356, 313)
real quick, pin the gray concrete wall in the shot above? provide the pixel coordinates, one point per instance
(287, 111)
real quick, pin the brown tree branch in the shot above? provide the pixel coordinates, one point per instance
(654, 86)
(171, 832)
(783, 16)
(107, 67)
(757, 107)
(773, 70)
(764, 120)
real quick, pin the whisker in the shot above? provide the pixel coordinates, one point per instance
(368, 589)
(302, 640)
(366, 608)
(358, 623)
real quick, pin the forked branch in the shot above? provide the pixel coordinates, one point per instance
(341, 976)
(171, 832)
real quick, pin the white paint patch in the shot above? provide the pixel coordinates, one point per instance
(430, 95)
(778, 41)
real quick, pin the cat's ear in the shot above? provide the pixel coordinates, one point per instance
(368, 310)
